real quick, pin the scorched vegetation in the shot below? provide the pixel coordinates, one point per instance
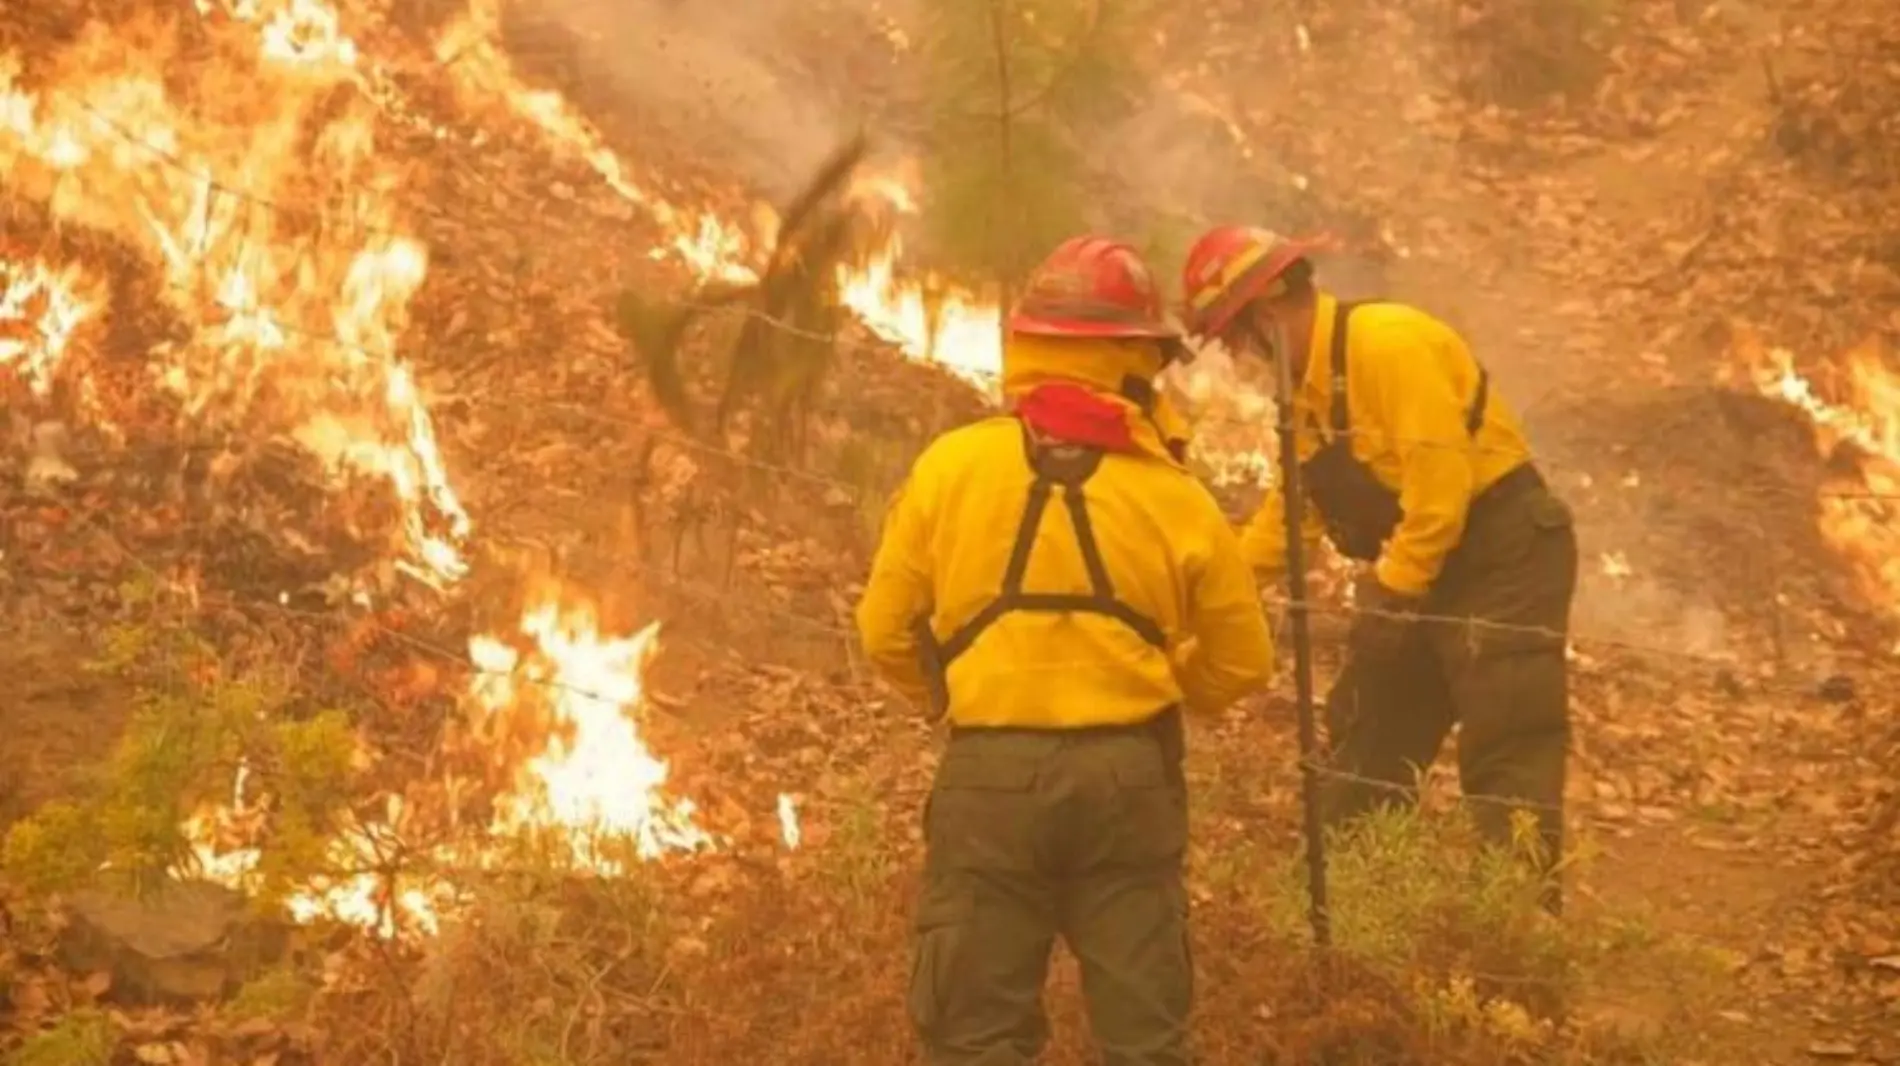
(401, 667)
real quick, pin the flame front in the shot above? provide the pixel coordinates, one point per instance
(291, 319)
(1858, 521)
(270, 216)
(929, 322)
(291, 316)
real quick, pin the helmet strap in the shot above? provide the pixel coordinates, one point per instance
(1139, 391)
(1263, 340)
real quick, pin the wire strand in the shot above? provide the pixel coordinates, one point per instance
(856, 490)
(1265, 427)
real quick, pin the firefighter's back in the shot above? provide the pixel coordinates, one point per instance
(1155, 529)
(1077, 588)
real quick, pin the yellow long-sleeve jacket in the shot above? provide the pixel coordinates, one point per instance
(1410, 383)
(1168, 550)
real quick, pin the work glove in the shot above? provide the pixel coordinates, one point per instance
(1382, 619)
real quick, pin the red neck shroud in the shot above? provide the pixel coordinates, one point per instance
(1076, 414)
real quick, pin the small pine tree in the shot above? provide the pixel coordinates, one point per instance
(1015, 86)
(196, 719)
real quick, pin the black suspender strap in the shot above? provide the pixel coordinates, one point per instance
(1474, 415)
(1341, 420)
(1055, 465)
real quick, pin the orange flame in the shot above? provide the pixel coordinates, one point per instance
(40, 308)
(1869, 418)
(110, 148)
(261, 290)
(788, 828)
(290, 31)
(960, 331)
(471, 50)
(1235, 442)
(597, 776)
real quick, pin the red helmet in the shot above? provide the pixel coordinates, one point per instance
(1092, 287)
(1231, 266)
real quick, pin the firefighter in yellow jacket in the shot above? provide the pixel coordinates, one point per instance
(1058, 586)
(1412, 463)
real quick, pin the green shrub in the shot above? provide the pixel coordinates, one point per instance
(1420, 908)
(82, 1038)
(199, 724)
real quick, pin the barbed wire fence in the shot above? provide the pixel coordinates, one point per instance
(724, 599)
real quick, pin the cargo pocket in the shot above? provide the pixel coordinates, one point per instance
(942, 924)
(1153, 826)
(1520, 597)
(982, 812)
(1552, 582)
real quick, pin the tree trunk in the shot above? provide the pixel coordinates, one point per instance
(1002, 214)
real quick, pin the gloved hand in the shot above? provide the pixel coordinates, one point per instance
(1382, 619)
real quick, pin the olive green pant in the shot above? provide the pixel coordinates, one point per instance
(1491, 660)
(1033, 835)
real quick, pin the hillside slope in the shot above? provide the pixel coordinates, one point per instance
(309, 326)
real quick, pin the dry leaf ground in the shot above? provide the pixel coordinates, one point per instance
(1734, 795)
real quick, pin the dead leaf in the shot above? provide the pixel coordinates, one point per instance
(254, 1027)
(97, 985)
(29, 999)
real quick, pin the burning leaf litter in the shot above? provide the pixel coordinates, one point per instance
(1856, 521)
(197, 191)
(242, 272)
(602, 777)
(39, 310)
(924, 318)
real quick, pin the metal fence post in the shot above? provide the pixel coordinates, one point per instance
(1293, 506)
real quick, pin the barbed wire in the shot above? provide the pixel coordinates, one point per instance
(1264, 428)
(750, 605)
(847, 635)
(1420, 787)
(1303, 409)
(856, 490)
(209, 180)
(1215, 419)
(1402, 792)
(1475, 625)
